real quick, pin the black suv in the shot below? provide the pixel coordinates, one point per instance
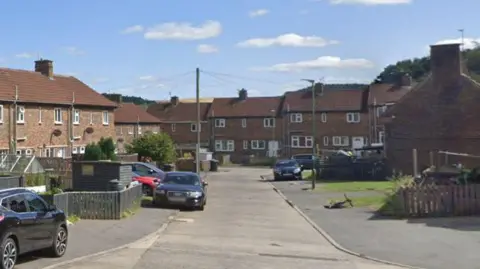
(28, 223)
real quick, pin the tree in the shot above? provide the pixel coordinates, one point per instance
(103, 150)
(93, 152)
(159, 147)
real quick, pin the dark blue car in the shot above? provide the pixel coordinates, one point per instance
(287, 169)
(181, 189)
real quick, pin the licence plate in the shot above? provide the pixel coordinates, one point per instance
(177, 199)
(287, 174)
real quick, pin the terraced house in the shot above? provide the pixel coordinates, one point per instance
(45, 114)
(244, 126)
(132, 121)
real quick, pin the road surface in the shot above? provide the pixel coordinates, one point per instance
(245, 225)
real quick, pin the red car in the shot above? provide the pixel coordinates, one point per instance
(149, 183)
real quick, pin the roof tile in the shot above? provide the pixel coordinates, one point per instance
(165, 111)
(131, 113)
(250, 107)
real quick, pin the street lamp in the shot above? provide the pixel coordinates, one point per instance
(313, 131)
(273, 150)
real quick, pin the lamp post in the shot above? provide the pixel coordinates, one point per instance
(273, 133)
(312, 81)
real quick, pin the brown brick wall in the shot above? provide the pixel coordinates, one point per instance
(36, 131)
(126, 133)
(183, 134)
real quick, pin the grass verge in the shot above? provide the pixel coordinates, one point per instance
(356, 186)
(308, 174)
(131, 211)
(73, 218)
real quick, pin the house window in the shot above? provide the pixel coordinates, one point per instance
(302, 141)
(220, 123)
(258, 144)
(381, 137)
(353, 117)
(381, 110)
(244, 123)
(193, 127)
(224, 145)
(119, 130)
(130, 130)
(20, 114)
(323, 117)
(76, 116)
(139, 129)
(57, 116)
(174, 127)
(39, 115)
(269, 122)
(1, 113)
(245, 144)
(91, 118)
(341, 141)
(325, 140)
(296, 117)
(156, 129)
(105, 119)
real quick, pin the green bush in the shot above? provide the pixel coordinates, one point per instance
(103, 150)
(93, 152)
(159, 147)
(37, 179)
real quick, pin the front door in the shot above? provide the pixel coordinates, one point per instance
(272, 148)
(358, 142)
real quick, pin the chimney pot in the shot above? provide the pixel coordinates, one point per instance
(45, 67)
(242, 94)
(174, 100)
(445, 63)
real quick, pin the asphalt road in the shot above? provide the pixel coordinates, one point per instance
(434, 243)
(245, 225)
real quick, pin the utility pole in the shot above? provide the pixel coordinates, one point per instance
(273, 150)
(197, 153)
(462, 32)
(314, 156)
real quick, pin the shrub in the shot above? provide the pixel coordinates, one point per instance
(159, 147)
(103, 150)
(93, 152)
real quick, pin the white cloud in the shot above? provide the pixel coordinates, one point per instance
(319, 63)
(74, 51)
(469, 43)
(205, 48)
(24, 55)
(184, 31)
(258, 13)
(147, 78)
(287, 40)
(133, 29)
(370, 2)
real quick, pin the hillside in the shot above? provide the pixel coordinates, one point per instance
(133, 99)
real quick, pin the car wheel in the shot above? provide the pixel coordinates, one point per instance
(59, 246)
(201, 208)
(276, 179)
(9, 253)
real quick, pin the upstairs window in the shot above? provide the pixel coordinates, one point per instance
(296, 118)
(76, 116)
(220, 123)
(57, 116)
(269, 122)
(353, 117)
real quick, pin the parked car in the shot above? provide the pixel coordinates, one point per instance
(148, 183)
(27, 224)
(307, 160)
(148, 169)
(287, 169)
(184, 189)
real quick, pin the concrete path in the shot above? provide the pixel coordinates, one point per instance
(245, 225)
(434, 243)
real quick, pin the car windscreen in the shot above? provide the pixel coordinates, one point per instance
(286, 163)
(180, 179)
(303, 157)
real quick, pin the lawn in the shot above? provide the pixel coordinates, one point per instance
(307, 174)
(356, 186)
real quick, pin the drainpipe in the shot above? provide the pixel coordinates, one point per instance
(13, 142)
(70, 125)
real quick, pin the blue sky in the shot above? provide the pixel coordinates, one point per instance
(150, 48)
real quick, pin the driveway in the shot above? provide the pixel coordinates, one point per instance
(441, 243)
(92, 236)
(245, 225)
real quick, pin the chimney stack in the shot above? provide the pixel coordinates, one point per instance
(174, 100)
(445, 63)
(405, 80)
(45, 67)
(242, 95)
(115, 97)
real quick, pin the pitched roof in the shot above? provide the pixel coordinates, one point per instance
(33, 87)
(386, 93)
(329, 100)
(167, 112)
(131, 113)
(250, 107)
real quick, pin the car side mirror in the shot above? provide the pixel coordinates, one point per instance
(151, 171)
(205, 183)
(52, 208)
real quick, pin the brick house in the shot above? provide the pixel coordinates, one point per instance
(341, 119)
(243, 126)
(440, 113)
(131, 121)
(45, 114)
(179, 120)
(381, 97)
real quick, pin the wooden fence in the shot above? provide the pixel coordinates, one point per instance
(439, 201)
(97, 205)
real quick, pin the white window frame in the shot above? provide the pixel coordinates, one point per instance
(76, 116)
(258, 144)
(1, 113)
(174, 127)
(220, 123)
(193, 127)
(341, 141)
(296, 118)
(309, 142)
(57, 116)
(380, 110)
(353, 117)
(295, 141)
(156, 129)
(130, 130)
(244, 123)
(82, 150)
(91, 118)
(139, 129)
(323, 117)
(224, 145)
(40, 114)
(245, 144)
(381, 137)
(105, 118)
(325, 140)
(269, 122)
(20, 114)
(75, 150)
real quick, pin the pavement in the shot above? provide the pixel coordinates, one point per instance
(93, 236)
(434, 243)
(245, 225)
